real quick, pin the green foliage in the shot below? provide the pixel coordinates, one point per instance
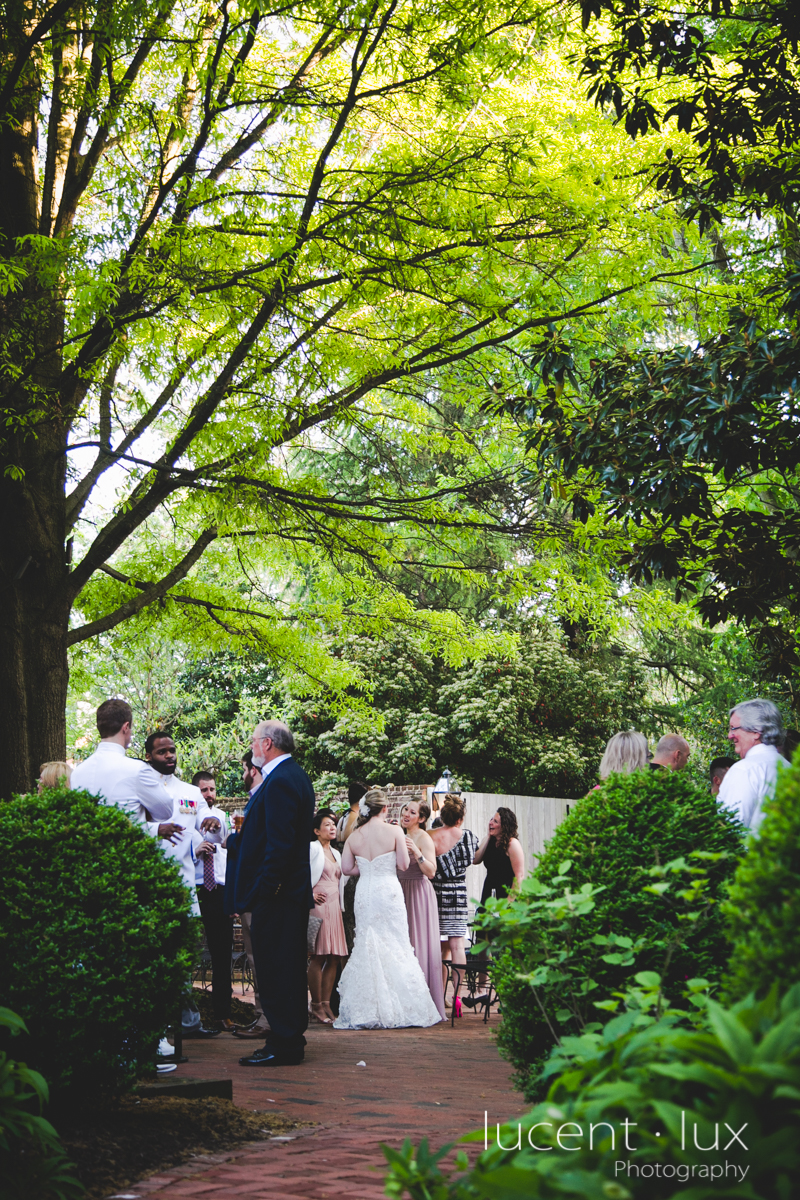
(417, 1171)
(737, 1073)
(32, 1162)
(734, 87)
(630, 880)
(708, 467)
(96, 940)
(261, 260)
(763, 908)
(534, 721)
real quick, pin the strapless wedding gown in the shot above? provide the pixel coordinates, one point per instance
(382, 986)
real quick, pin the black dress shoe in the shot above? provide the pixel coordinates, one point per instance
(201, 1032)
(271, 1056)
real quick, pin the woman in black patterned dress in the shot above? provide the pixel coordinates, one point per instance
(455, 851)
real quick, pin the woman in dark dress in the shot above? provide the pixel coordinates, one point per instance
(501, 854)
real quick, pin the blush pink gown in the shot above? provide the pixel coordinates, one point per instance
(330, 939)
(423, 929)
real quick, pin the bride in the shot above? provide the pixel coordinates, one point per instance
(382, 986)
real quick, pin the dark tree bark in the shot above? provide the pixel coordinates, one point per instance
(34, 611)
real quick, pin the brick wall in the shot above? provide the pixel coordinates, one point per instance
(400, 795)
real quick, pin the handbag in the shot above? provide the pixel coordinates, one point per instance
(314, 926)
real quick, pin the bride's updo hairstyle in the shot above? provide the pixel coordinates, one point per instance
(374, 801)
(453, 809)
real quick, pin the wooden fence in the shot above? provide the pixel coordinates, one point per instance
(537, 818)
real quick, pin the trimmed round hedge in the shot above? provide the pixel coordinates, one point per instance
(613, 837)
(763, 908)
(96, 940)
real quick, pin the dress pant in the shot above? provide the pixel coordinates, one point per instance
(279, 933)
(219, 937)
(248, 949)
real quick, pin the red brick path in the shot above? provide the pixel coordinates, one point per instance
(433, 1083)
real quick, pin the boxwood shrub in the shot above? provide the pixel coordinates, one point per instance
(96, 941)
(763, 911)
(612, 840)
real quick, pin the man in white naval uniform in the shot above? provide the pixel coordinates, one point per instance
(110, 774)
(191, 831)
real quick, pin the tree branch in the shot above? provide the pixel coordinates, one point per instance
(152, 593)
(106, 457)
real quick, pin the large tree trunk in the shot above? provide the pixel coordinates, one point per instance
(34, 610)
(35, 596)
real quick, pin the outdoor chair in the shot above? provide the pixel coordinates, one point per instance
(239, 963)
(467, 975)
(202, 970)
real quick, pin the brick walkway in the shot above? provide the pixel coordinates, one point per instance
(435, 1083)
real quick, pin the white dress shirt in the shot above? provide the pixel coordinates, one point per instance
(188, 808)
(269, 767)
(110, 774)
(218, 837)
(749, 782)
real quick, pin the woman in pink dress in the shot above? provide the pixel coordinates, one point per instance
(331, 945)
(420, 898)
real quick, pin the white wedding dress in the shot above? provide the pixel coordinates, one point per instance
(382, 985)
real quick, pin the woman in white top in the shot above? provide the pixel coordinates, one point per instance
(327, 884)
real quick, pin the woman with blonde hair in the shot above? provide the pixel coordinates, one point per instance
(625, 752)
(53, 774)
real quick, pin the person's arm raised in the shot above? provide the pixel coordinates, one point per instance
(426, 848)
(479, 853)
(400, 848)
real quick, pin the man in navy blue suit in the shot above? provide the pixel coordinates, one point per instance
(273, 882)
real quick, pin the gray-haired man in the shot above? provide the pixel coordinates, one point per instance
(756, 730)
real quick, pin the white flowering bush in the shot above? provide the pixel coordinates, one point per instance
(535, 724)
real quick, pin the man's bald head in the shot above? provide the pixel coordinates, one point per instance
(279, 734)
(672, 752)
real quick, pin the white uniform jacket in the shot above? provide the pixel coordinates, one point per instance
(110, 774)
(187, 808)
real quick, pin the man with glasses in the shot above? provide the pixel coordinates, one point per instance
(273, 883)
(756, 730)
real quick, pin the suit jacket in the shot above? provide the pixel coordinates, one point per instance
(232, 845)
(272, 859)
